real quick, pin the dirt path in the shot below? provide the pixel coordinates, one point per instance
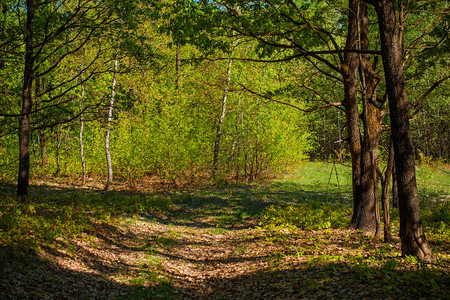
(141, 258)
(193, 252)
(144, 258)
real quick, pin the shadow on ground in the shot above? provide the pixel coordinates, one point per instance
(330, 281)
(27, 276)
(229, 207)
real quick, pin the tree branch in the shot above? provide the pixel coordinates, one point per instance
(270, 98)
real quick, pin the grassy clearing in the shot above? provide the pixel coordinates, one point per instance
(291, 233)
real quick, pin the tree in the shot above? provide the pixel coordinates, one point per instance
(24, 124)
(411, 231)
(226, 89)
(54, 31)
(108, 128)
(289, 30)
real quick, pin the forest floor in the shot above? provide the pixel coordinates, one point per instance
(228, 243)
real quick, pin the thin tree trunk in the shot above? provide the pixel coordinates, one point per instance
(58, 147)
(222, 116)
(108, 128)
(41, 132)
(66, 143)
(83, 163)
(326, 153)
(221, 119)
(341, 155)
(385, 194)
(27, 103)
(411, 231)
(43, 139)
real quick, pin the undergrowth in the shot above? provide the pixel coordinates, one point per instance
(284, 210)
(306, 216)
(28, 226)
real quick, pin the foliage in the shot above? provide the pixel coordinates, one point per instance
(306, 217)
(61, 217)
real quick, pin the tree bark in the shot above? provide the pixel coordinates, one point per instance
(349, 73)
(363, 192)
(372, 117)
(83, 163)
(27, 103)
(394, 189)
(221, 119)
(109, 178)
(385, 194)
(411, 231)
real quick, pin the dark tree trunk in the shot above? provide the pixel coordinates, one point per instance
(27, 104)
(372, 117)
(363, 153)
(411, 231)
(385, 194)
(349, 74)
(394, 189)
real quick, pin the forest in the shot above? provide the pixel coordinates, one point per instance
(224, 149)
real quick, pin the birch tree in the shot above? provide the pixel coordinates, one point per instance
(109, 170)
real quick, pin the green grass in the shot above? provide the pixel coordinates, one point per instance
(312, 198)
(67, 214)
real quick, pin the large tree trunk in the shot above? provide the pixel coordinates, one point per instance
(411, 231)
(364, 197)
(394, 188)
(349, 74)
(27, 104)
(372, 117)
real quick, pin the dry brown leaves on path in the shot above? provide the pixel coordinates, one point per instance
(140, 258)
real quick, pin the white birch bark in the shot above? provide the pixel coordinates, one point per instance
(223, 112)
(108, 128)
(221, 119)
(83, 163)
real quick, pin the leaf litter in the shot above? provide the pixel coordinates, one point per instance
(142, 257)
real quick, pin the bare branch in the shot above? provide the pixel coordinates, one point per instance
(419, 101)
(270, 98)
